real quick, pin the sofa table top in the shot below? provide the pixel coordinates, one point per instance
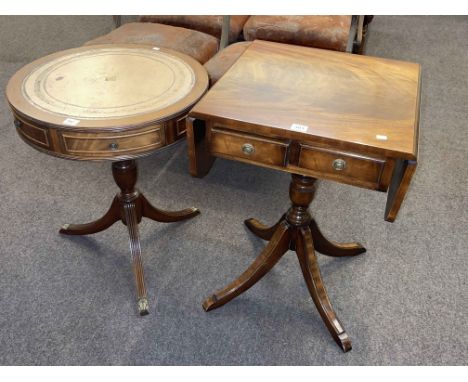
(361, 103)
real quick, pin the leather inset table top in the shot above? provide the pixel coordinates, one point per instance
(109, 82)
(107, 86)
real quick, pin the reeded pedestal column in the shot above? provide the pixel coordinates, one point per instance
(129, 206)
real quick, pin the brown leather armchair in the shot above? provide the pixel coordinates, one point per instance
(196, 36)
(211, 25)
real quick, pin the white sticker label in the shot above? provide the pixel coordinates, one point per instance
(156, 48)
(71, 122)
(298, 127)
(381, 137)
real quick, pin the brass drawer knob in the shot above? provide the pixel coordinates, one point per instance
(113, 146)
(339, 164)
(248, 149)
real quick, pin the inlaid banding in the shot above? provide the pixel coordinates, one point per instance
(109, 83)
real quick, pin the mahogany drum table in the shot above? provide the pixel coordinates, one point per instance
(109, 102)
(315, 114)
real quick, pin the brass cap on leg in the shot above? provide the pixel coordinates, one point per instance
(143, 308)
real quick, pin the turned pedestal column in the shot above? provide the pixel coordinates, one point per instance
(129, 206)
(297, 231)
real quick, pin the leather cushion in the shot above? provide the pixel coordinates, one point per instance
(327, 32)
(198, 45)
(224, 59)
(207, 24)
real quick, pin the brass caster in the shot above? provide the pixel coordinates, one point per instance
(143, 308)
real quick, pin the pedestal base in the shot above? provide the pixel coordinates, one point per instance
(129, 206)
(296, 231)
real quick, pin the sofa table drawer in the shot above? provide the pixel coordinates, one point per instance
(348, 168)
(248, 147)
(111, 144)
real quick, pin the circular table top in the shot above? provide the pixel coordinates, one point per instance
(107, 87)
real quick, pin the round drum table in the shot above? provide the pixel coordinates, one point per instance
(109, 102)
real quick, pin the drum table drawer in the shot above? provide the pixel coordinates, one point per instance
(343, 167)
(247, 147)
(108, 144)
(34, 135)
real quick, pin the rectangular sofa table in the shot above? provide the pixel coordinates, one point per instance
(316, 114)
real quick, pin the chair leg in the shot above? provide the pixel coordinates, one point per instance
(109, 218)
(310, 270)
(270, 255)
(323, 245)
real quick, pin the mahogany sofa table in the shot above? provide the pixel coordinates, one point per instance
(109, 102)
(316, 114)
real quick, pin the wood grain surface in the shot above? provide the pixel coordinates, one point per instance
(106, 86)
(363, 103)
(105, 101)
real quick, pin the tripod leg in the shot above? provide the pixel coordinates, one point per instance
(323, 245)
(310, 270)
(131, 220)
(110, 217)
(156, 214)
(270, 255)
(260, 230)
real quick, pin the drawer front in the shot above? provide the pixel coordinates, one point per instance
(248, 147)
(34, 134)
(181, 126)
(348, 168)
(111, 144)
